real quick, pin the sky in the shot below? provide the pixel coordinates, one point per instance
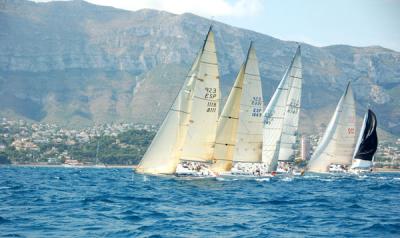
(316, 22)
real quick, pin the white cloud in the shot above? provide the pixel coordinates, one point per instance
(206, 8)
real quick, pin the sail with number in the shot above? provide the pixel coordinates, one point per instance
(239, 135)
(200, 137)
(249, 135)
(367, 143)
(275, 121)
(292, 114)
(337, 144)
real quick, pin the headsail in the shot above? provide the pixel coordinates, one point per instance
(200, 138)
(274, 114)
(367, 143)
(227, 127)
(239, 126)
(292, 114)
(337, 144)
(163, 154)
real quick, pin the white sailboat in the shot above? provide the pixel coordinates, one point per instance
(197, 148)
(164, 152)
(335, 150)
(281, 117)
(239, 137)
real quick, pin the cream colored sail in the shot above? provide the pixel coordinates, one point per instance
(337, 144)
(249, 135)
(163, 154)
(292, 113)
(200, 138)
(274, 116)
(227, 127)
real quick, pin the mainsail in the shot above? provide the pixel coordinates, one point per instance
(164, 152)
(292, 114)
(337, 144)
(239, 126)
(249, 134)
(200, 138)
(277, 119)
(367, 143)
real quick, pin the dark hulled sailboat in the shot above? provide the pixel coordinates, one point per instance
(367, 143)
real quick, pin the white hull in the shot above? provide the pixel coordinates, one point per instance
(243, 176)
(193, 169)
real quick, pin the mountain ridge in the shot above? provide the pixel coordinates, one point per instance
(76, 63)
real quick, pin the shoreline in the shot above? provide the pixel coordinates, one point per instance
(73, 166)
(376, 170)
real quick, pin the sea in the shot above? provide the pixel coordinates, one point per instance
(95, 202)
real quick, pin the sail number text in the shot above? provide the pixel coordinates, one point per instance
(211, 93)
(293, 107)
(350, 131)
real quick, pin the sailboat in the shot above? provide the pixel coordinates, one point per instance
(166, 149)
(334, 152)
(238, 140)
(196, 151)
(367, 144)
(281, 117)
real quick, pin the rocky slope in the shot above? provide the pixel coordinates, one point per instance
(75, 63)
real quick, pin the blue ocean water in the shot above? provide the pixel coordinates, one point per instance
(81, 202)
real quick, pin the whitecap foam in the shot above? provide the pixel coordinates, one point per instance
(287, 179)
(263, 179)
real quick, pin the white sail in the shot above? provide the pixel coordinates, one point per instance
(249, 135)
(337, 144)
(163, 154)
(274, 116)
(200, 138)
(292, 114)
(227, 127)
(239, 133)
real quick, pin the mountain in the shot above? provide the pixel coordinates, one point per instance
(76, 64)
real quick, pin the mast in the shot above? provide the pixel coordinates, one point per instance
(162, 156)
(274, 114)
(200, 138)
(337, 144)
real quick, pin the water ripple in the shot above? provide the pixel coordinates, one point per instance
(61, 202)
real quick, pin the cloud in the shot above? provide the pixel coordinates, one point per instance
(206, 8)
